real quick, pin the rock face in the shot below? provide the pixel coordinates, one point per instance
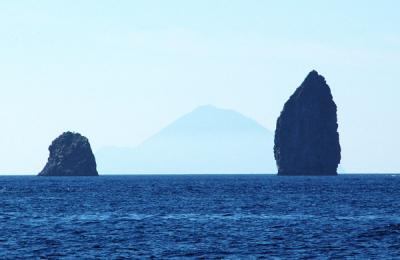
(70, 155)
(306, 137)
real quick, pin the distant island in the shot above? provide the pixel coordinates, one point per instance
(206, 140)
(306, 136)
(70, 155)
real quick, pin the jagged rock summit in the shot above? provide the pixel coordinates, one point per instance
(306, 136)
(70, 155)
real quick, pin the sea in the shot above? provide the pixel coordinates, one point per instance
(200, 217)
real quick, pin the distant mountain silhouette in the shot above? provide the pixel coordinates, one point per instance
(207, 140)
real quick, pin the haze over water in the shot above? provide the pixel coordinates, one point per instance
(120, 72)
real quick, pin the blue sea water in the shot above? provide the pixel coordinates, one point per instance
(200, 216)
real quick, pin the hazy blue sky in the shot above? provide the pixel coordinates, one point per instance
(118, 71)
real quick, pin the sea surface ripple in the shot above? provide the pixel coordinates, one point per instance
(200, 216)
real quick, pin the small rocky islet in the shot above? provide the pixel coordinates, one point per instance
(70, 155)
(306, 136)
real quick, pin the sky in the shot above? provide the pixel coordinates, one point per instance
(119, 71)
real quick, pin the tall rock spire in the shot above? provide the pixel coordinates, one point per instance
(306, 136)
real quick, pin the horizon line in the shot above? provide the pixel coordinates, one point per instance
(172, 174)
